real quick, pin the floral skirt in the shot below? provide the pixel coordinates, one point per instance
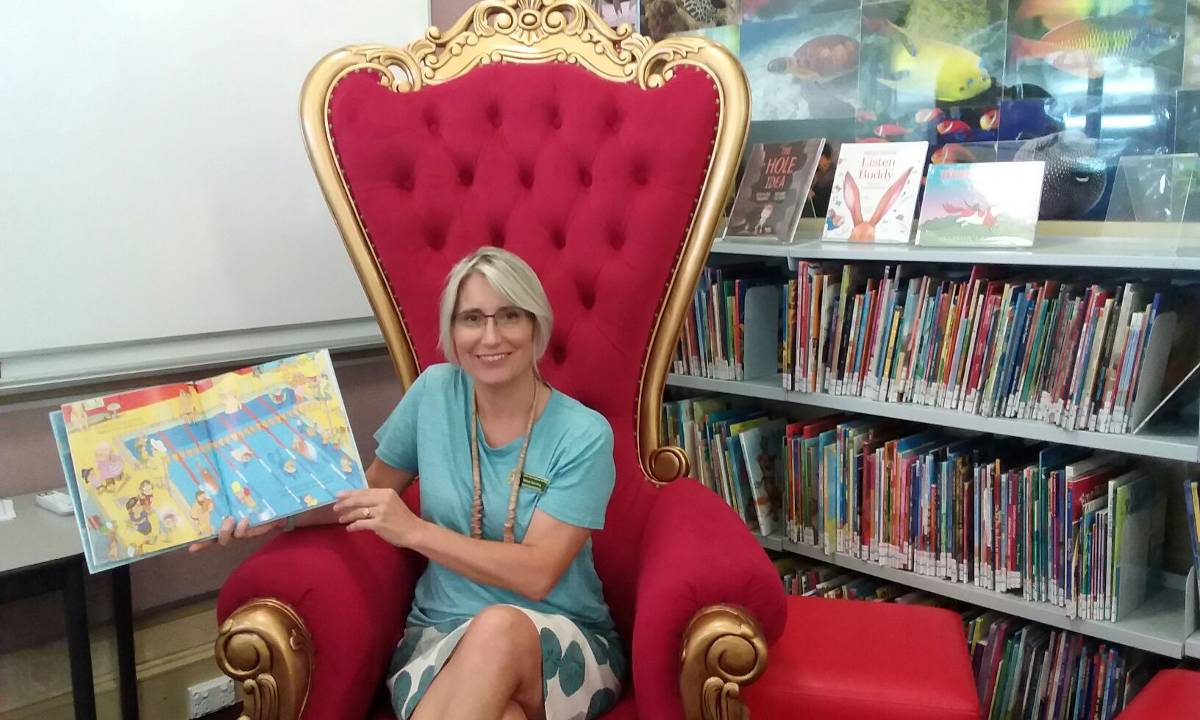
(581, 669)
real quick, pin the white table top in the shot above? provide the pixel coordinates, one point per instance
(36, 536)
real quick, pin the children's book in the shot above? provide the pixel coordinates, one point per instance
(981, 204)
(774, 189)
(875, 192)
(158, 468)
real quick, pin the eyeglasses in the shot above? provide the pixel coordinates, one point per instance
(507, 318)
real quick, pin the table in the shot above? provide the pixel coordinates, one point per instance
(40, 552)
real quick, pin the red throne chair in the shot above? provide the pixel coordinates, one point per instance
(603, 160)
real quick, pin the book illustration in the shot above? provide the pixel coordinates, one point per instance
(774, 189)
(981, 204)
(803, 68)
(157, 468)
(660, 18)
(881, 179)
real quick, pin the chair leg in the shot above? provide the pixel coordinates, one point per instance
(723, 650)
(265, 646)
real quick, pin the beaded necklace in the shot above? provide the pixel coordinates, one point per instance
(514, 478)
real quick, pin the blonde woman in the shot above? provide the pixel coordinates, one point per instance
(508, 620)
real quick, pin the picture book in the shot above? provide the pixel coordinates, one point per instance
(1191, 504)
(158, 468)
(875, 192)
(774, 189)
(981, 204)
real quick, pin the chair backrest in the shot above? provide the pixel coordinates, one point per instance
(601, 159)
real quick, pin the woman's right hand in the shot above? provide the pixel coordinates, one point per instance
(242, 531)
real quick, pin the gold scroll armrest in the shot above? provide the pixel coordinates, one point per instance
(723, 650)
(265, 647)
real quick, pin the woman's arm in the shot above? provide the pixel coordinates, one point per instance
(530, 568)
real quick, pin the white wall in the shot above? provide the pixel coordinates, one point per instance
(155, 183)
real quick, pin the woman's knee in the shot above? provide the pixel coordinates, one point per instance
(503, 630)
(514, 712)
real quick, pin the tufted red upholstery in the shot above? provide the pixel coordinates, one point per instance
(594, 183)
(590, 181)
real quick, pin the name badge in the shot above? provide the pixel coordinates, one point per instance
(534, 483)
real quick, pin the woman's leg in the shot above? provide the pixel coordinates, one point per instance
(498, 662)
(514, 712)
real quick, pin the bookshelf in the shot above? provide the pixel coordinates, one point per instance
(1158, 626)
(1166, 622)
(1171, 443)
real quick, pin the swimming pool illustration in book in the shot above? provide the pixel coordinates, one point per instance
(161, 467)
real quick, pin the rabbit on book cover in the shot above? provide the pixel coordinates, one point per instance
(864, 231)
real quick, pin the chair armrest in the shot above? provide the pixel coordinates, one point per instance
(350, 594)
(696, 553)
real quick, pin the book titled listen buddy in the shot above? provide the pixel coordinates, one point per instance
(161, 467)
(981, 204)
(875, 192)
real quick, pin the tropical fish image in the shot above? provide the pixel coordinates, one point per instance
(920, 65)
(990, 119)
(821, 59)
(1089, 48)
(951, 153)
(952, 127)
(1075, 176)
(891, 130)
(928, 115)
(1059, 12)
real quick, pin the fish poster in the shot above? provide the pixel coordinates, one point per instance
(931, 54)
(728, 36)
(875, 192)
(775, 189)
(660, 18)
(802, 68)
(981, 204)
(1092, 47)
(761, 10)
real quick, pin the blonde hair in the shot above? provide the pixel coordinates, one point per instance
(511, 277)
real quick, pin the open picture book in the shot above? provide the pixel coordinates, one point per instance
(158, 468)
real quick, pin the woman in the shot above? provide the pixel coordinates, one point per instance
(508, 619)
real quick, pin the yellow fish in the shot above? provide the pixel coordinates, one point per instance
(921, 65)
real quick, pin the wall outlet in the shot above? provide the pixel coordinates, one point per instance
(210, 696)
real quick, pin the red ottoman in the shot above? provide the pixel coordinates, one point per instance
(1171, 694)
(847, 660)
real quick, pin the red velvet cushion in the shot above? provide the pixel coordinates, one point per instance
(695, 553)
(353, 591)
(1171, 694)
(847, 660)
(591, 181)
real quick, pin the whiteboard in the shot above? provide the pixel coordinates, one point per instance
(155, 185)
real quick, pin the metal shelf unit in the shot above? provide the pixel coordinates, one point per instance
(1164, 624)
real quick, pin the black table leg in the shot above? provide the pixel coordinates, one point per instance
(78, 642)
(126, 665)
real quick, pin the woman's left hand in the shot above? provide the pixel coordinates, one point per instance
(380, 510)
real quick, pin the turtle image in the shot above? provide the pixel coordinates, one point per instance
(704, 11)
(821, 60)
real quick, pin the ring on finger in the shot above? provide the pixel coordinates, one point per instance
(367, 513)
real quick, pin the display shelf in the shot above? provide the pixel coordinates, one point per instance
(1171, 442)
(1052, 250)
(1157, 626)
(1192, 647)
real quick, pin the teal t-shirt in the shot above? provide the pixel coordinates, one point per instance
(569, 475)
